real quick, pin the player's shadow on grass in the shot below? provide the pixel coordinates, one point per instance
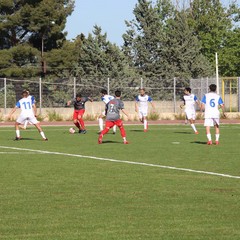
(108, 141)
(199, 142)
(27, 139)
(183, 132)
(136, 130)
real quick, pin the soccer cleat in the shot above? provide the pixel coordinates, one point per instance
(145, 130)
(84, 131)
(114, 133)
(125, 142)
(196, 132)
(209, 143)
(217, 142)
(79, 131)
(45, 139)
(17, 139)
(100, 139)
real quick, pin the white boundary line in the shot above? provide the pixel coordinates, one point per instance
(123, 161)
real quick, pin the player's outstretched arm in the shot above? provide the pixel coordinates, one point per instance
(11, 113)
(223, 110)
(136, 107)
(125, 113)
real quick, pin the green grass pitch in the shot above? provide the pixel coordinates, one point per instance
(64, 194)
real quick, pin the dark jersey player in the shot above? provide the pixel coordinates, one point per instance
(79, 109)
(113, 117)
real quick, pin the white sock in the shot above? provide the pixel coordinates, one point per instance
(193, 127)
(43, 135)
(100, 122)
(145, 123)
(209, 137)
(114, 128)
(217, 137)
(25, 124)
(124, 139)
(18, 133)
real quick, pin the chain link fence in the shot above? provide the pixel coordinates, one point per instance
(56, 93)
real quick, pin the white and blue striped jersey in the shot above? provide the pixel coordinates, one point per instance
(107, 98)
(212, 101)
(189, 102)
(143, 101)
(25, 104)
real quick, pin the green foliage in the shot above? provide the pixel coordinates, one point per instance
(54, 116)
(154, 116)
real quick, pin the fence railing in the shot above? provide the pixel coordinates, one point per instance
(56, 93)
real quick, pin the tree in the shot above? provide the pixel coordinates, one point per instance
(212, 24)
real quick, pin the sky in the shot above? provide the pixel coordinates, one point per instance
(110, 15)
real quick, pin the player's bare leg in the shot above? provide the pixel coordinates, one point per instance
(209, 137)
(192, 123)
(145, 124)
(37, 125)
(217, 132)
(18, 137)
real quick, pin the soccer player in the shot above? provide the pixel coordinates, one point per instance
(210, 103)
(79, 110)
(27, 113)
(189, 101)
(113, 117)
(141, 106)
(34, 109)
(105, 98)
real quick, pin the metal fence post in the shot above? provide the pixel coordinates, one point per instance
(5, 95)
(141, 84)
(74, 87)
(40, 95)
(108, 87)
(174, 94)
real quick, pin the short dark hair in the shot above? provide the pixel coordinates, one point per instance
(25, 92)
(78, 95)
(213, 87)
(103, 91)
(188, 89)
(118, 93)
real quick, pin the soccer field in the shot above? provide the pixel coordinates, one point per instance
(166, 184)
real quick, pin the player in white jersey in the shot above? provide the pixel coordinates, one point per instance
(141, 106)
(27, 113)
(106, 99)
(189, 101)
(35, 110)
(210, 103)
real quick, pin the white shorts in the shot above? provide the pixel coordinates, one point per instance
(142, 113)
(191, 114)
(32, 119)
(210, 122)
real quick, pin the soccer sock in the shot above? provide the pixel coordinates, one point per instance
(124, 139)
(114, 128)
(43, 135)
(145, 124)
(100, 122)
(25, 124)
(193, 127)
(217, 137)
(81, 123)
(209, 137)
(77, 125)
(18, 133)
(104, 131)
(122, 131)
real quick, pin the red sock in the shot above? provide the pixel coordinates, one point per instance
(77, 125)
(81, 123)
(122, 131)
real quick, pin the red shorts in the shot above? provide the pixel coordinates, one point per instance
(110, 124)
(78, 113)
